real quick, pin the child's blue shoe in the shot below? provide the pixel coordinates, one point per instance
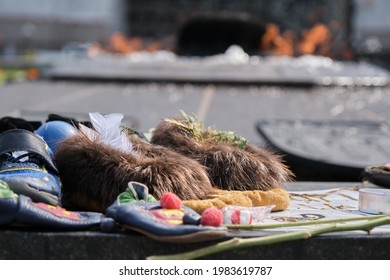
(21, 210)
(26, 165)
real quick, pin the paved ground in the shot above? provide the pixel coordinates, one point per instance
(235, 108)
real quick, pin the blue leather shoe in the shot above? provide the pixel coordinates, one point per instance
(135, 210)
(21, 210)
(26, 165)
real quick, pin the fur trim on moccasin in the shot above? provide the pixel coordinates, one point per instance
(230, 161)
(93, 174)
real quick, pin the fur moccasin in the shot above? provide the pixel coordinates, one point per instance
(230, 161)
(94, 172)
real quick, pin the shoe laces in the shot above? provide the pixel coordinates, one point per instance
(23, 157)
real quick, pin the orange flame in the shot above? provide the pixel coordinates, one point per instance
(121, 44)
(316, 40)
(276, 43)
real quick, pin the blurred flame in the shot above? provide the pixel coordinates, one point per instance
(317, 40)
(277, 43)
(121, 44)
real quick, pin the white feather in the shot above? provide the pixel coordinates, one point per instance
(90, 133)
(109, 131)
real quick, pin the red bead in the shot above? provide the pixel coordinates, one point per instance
(212, 217)
(170, 201)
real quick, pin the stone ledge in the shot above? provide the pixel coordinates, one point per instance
(40, 245)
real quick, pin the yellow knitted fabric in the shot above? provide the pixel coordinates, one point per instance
(278, 197)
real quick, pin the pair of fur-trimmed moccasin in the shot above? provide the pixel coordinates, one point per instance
(182, 157)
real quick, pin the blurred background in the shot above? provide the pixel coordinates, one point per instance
(311, 74)
(346, 29)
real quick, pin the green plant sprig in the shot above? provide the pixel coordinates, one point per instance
(193, 126)
(304, 223)
(237, 243)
